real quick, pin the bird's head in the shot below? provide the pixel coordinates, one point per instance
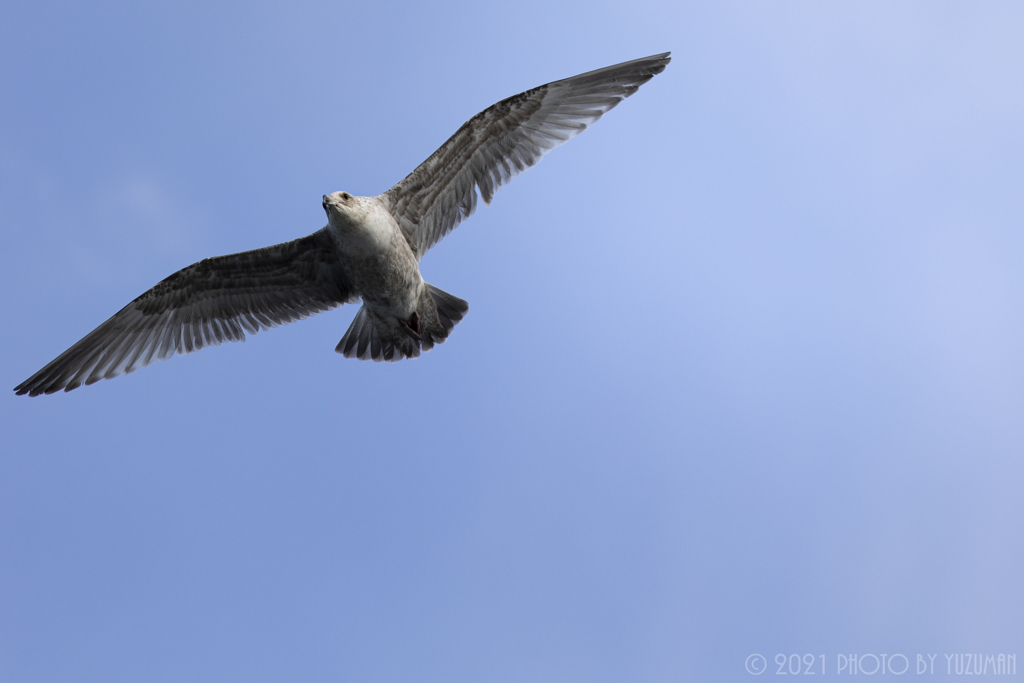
(342, 208)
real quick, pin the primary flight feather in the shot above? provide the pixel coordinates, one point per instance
(370, 249)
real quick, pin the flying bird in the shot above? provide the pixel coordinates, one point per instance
(370, 249)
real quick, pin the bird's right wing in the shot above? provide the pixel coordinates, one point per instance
(502, 141)
(213, 301)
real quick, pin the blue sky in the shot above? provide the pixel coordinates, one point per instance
(742, 371)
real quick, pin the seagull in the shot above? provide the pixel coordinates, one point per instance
(370, 249)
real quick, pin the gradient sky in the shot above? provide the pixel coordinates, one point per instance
(743, 370)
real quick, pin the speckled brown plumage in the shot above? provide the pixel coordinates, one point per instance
(370, 248)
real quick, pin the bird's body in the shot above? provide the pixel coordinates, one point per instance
(370, 249)
(375, 254)
(400, 312)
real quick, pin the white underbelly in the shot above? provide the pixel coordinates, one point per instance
(380, 263)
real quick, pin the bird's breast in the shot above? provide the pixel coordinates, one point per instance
(380, 263)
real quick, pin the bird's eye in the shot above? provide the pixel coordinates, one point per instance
(346, 196)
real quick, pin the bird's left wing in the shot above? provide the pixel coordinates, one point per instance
(210, 302)
(502, 141)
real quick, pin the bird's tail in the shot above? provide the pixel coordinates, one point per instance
(450, 309)
(377, 337)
